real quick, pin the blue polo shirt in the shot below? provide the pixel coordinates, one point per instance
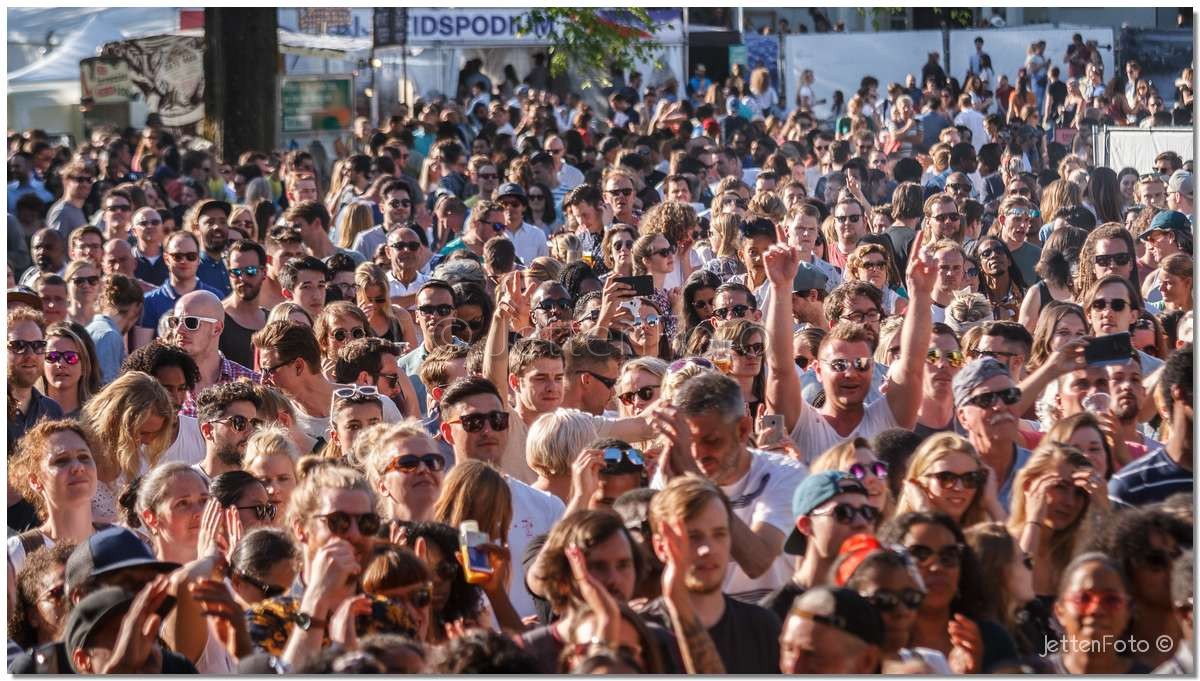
(1148, 480)
(162, 299)
(212, 272)
(154, 272)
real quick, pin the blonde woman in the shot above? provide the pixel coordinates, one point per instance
(873, 264)
(554, 442)
(1060, 505)
(385, 319)
(355, 219)
(338, 323)
(725, 237)
(639, 385)
(858, 459)
(242, 224)
(289, 311)
(405, 467)
(54, 469)
(946, 474)
(134, 422)
(888, 349)
(339, 179)
(271, 457)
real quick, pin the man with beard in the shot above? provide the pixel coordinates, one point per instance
(1013, 221)
(1168, 469)
(397, 210)
(182, 252)
(49, 255)
(209, 221)
(550, 308)
(694, 510)
(710, 429)
(244, 314)
(26, 352)
(198, 321)
(985, 395)
(845, 363)
(148, 250)
(1123, 415)
(228, 416)
(942, 219)
(86, 243)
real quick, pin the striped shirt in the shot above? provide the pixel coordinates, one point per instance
(1148, 480)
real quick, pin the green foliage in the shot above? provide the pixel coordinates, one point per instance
(584, 41)
(878, 15)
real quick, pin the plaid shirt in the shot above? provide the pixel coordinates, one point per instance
(230, 371)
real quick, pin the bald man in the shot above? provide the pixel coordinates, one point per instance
(198, 321)
(118, 259)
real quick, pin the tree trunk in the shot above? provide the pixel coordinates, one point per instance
(241, 55)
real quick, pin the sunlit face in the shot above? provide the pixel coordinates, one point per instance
(711, 543)
(277, 473)
(66, 478)
(640, 387)
(1068, 328)
(176, 519)
(1107, 320)
(1084, 616)
(60, 373)
(1115, 249)
(1091, 442)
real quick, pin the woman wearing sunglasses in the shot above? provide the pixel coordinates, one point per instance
(1000, 278)
(83, 291)
(332, 516)
(405, 467)
(474, 310)
(453, 598)
(68, 373)
(654, 255)
(1094, 606)
(400, 582)
(747, 348)
(262, 565)
(338, 324)
(639, 384)
(1061, 508)
(1144, 543)
(242, 491)
(946, 474)
(134, 422)
(889, 580)
(617, 250)
(948, 619)
(856, 458)
(54, 468)
(1007, 571)
(385, 320)
(872, 263)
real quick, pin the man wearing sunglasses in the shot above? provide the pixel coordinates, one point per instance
(119, 309)
(435, 316)
(198, 321)
(844, 363)
(244, 312)
(942, 363)
(396, 205)
(148, 250)
(406, 251)
(1169, 233)
(182, 252)
(850, 225)
(485, 222)
(1016, 217)
(228, 416)
(374, 362)
(828, 507)
(619, 189)
(67, 213)
(530, 241)
(26, 353)
(985, 397)
(591, 373)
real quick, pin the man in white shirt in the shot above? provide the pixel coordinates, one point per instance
(476, 424)
(710, 428)
(569, 176)
(404, 254)
(972, 120)
(844, 363)
(530, 241)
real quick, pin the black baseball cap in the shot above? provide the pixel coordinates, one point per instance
(514, 190)
(843, 609)
(90, 613)
(107, 551)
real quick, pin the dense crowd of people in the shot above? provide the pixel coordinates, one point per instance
(699, 382)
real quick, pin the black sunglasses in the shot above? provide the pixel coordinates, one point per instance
(845, 513)
(645, 394)
(21, 347)
(604, 380)
(340, 335)
(972, 480)
(268, 590)
(90, 281)
(1117, 304)
(735, 311)
(750, 349)
(887, 601)
(1009, 396)
(410, 246)
(548, 304)
(1112, 260)
(338, 522)
(261, 511)
(473, 423)
(240, 423)
(435, 310)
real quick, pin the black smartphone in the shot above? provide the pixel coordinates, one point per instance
(642, 285)
(1111, 349)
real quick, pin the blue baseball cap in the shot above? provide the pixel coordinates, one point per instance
(111, 549)
(815, 490)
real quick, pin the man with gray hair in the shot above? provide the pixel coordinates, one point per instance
(984, 398)
(710, 429)
(197, 321)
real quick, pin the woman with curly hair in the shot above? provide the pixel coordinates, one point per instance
(1056, 269)
(39, 612)
(55, 470)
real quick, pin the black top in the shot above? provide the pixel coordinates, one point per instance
(52, 658)
(40, 407)
(746, 636)
(235, 342)
(902, 239)
(780, 600)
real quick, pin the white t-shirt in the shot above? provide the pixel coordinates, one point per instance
(675, 278)
(188, 446)
(529, 242)
(318, 427)
(534, 513)
(763, 495)
(813, 434)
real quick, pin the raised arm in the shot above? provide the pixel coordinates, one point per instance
(783, 393)
(905, 375)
